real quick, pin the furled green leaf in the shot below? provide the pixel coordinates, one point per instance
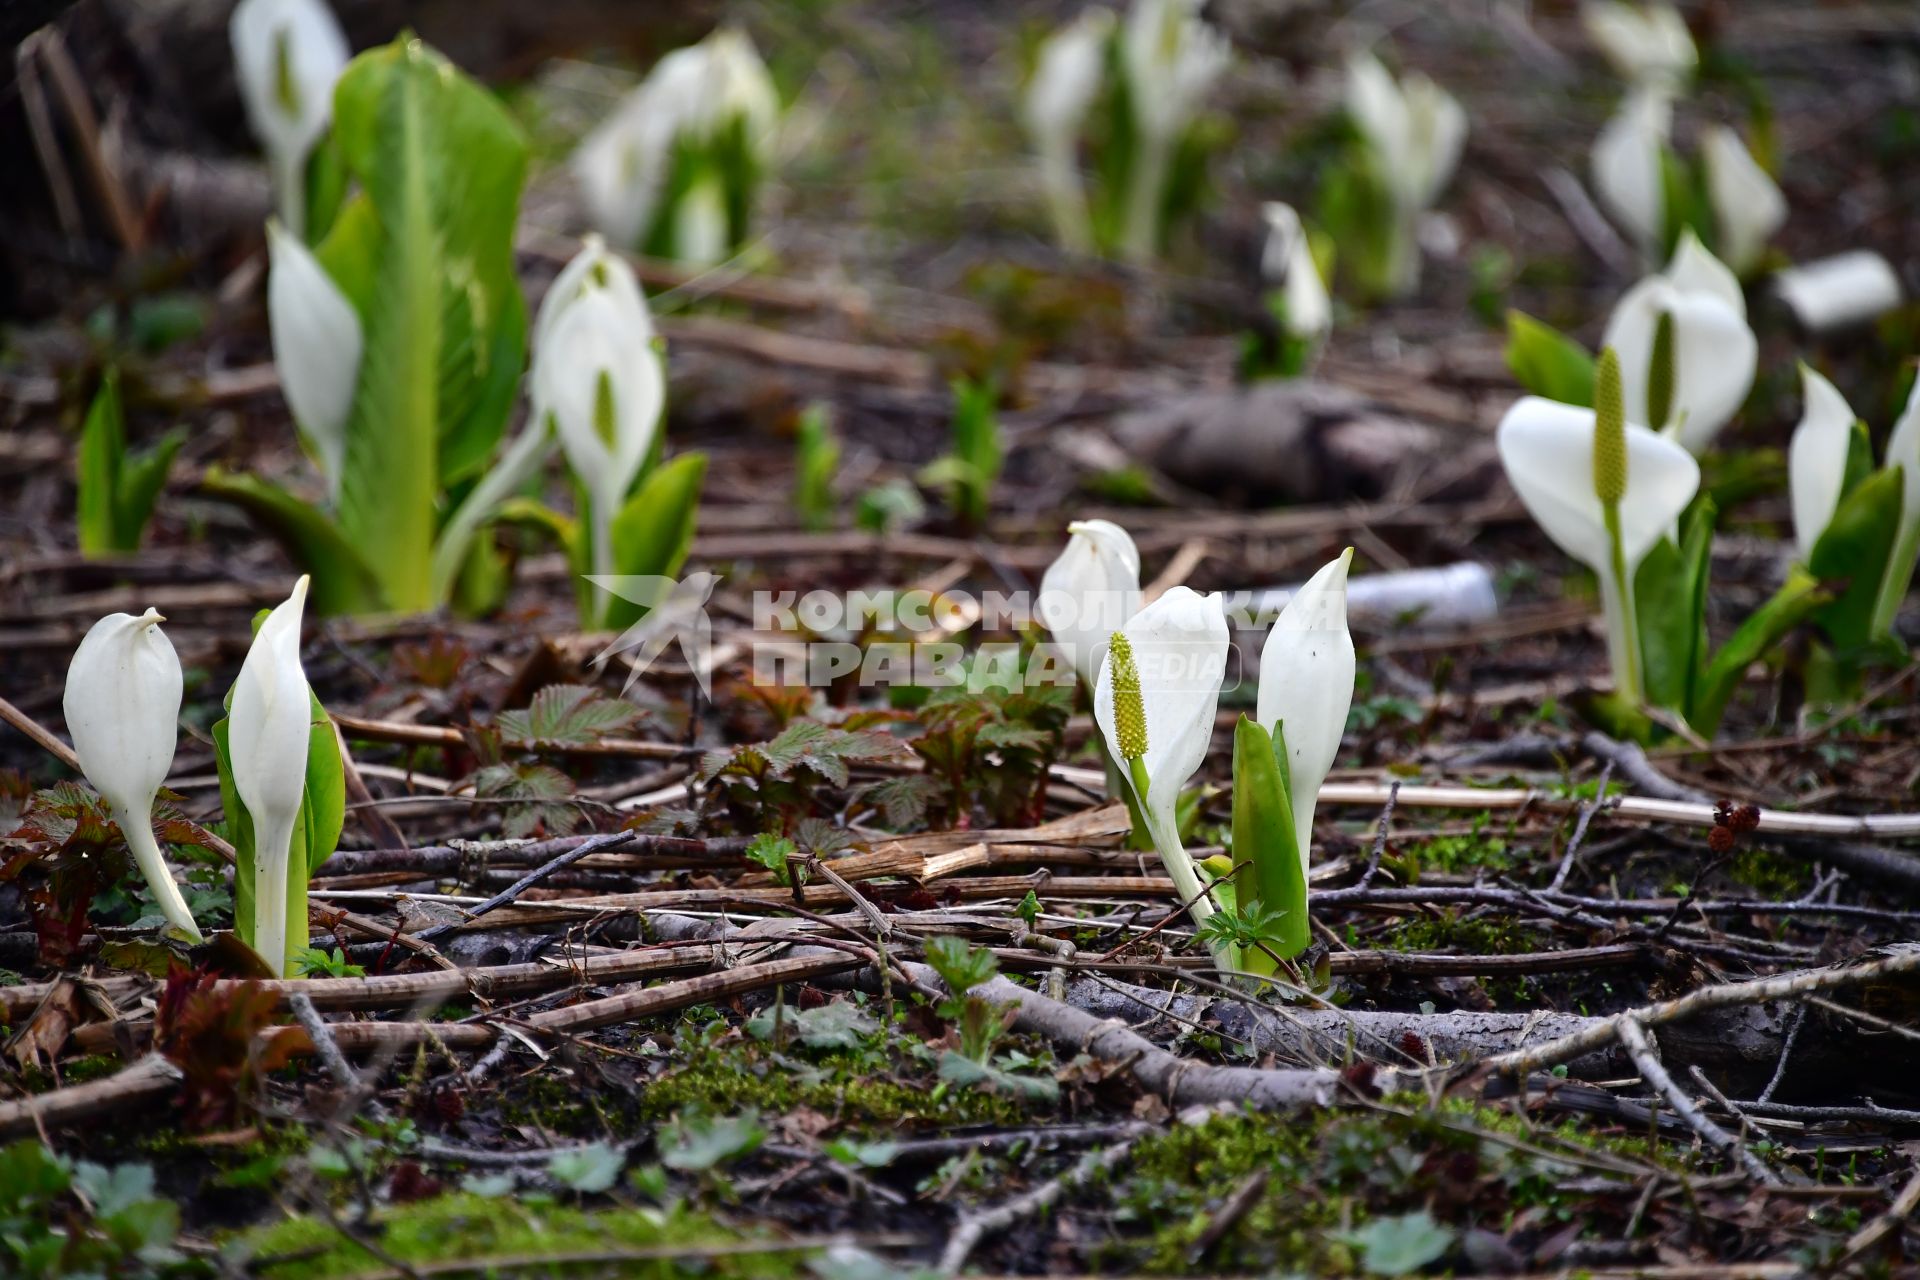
(1264, 838)
(323, 813)
(142, 476)
(654, 530)
(1548, 362)
(1670, 594)
(1796, 599)
(1854, 550)
(102, 442)
(342, 582)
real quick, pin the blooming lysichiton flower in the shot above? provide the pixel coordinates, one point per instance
(1645, 43)
(1090, 592)
(1306, 686)
(1416, 131)
(317, 345)
(1288, 262)
(1066, 81)
(1748, 207)
(1628, 169)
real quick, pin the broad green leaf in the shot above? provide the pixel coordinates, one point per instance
(1897, 576)
(1765, 627)
(568, 714)
(323, 812)
(1854, 550)
(1400, 1246)
(425, 254)
(102, 443)
(1264, 838)
(1548, 362)
(654, 531)
(342, 582)
(1670, 593)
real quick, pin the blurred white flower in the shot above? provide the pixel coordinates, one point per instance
(1714, 350)
(1288, 262)
(1066, 80)
(1627, 166)
(1171, 59)
(1645, 43)
(1817, 458)
(1416, 131)
(1747, 204)
(123, 711)
(287, 55)
(317, 345)
(1839, 292)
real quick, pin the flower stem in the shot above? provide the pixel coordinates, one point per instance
(138, 830)
(1173, 856)
(1623, 627)
(270, 896)
(1141, 238)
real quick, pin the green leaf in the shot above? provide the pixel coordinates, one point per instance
(1765, 627)
(1670, 593)
(1548, 362)
(1264, 838)
(1397, 1246)
(695, 1144)
(839, 1024)
(323, 812)
(102, 444)
(568, 715)
(773, 852)
(817, 461)
(142, 477)
(1854, 550)
(342, 582)
(425, 254)
(589, 1169)
(960, 965)
(654, 530)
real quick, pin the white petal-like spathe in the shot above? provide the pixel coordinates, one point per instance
(1647, 44)
(621, 168)
(743, 87)
(1626, 165)
(1066, 79)
(1172, 59)
(287, 54)
(1694, 269)
(1547, 450)
(1288, 260)
(317, 345)
(122, 705)
(1180, 649)
(1415, 128)
(1747, 204)
(1838, 292)
(594, 337)
(268, 724)
(1817, 459)
(594, 267)
(1306, 683)
(1715, 352)
(1090, 592)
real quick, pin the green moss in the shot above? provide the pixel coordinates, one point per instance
(557, 1102)
(1330, 1172)
(734, 1076)
(1481, 935)
(471, 1227)
(1770, 875)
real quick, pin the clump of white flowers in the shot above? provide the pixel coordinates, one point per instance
(675, 170)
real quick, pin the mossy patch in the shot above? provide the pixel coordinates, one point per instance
(1327, 1175)
(628, 1241)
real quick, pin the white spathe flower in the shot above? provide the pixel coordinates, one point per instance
(1834, 293)
(1817, 459)
(1627, 170)
(1714, 350)
(1416, 130)
(598, 377)
(1546, 449)
(692, 92)
(1306, 683)
(123, 710)
(1090, 592)
(1646, 44)
(1177, 652)
(1747, 204)
(269, 722)
(1066, 80)
(1288, 261)
(287, 55)
(317, 345)
(1172, 59)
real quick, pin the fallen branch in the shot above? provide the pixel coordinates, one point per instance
(1646, 1059)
